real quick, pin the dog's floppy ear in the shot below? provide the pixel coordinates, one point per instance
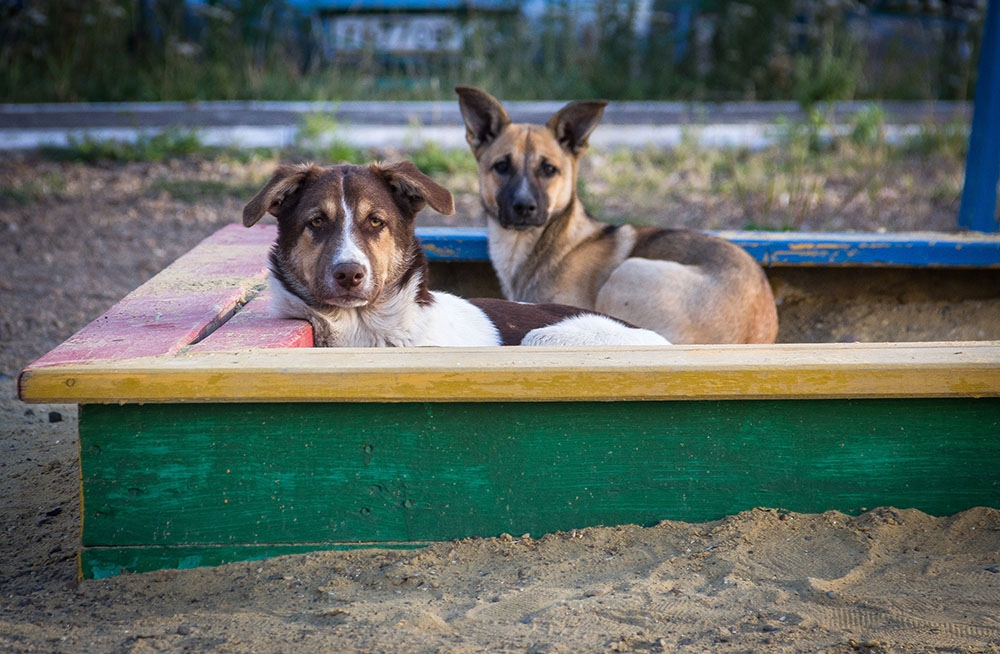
(484, 117)
(573, 123)
(285, 182)
(415, 189)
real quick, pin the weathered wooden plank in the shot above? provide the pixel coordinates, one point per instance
(203, 289)
(269, 474)
(919, 249)
(828, 370)
(254, 326)
(103, 562)
(185, 301)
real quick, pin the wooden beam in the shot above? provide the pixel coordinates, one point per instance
(182, 304)
(254, 326)
(169, 485)
(909, 249)
(846, 370)
(978, 210)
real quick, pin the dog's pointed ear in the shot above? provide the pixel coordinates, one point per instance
(414, 189)
(286, 181)
(484, 117)
(573, 124)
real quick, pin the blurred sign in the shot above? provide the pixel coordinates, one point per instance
(396, 34)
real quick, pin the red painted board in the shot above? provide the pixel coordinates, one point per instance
(253, 326)
(188, 299)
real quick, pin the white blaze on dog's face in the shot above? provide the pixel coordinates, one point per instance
(527, 173)
(345, 233)
(344, 250)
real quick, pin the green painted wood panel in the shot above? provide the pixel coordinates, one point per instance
(254, 474)
(103, 562)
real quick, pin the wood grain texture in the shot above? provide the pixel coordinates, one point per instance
(852, 370)
(265, 474)
(254, 326)
(177, 307)
(907, 249)
(205, 303)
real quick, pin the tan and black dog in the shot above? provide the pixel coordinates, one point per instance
(689, 286)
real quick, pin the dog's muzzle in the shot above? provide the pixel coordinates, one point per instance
(347, 285)
(522, 207)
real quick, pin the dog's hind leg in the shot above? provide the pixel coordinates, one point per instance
(664, 296)
(590, 329)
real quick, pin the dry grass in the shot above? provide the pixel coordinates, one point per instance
(787, 187)
(853, 182)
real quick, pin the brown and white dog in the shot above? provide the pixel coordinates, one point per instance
(347, 260)
(688, 286)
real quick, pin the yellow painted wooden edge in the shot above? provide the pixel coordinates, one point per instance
(799, 371)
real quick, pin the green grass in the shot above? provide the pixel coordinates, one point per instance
(193, 191)
(32, 191)
(434, 160)
(20, 195)
(154, 147)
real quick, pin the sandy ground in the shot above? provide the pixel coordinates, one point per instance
(892, 579)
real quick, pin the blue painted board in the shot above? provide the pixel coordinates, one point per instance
(923, 250)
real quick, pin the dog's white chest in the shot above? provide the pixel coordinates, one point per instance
(509, 253)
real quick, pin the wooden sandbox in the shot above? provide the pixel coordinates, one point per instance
(211, 432)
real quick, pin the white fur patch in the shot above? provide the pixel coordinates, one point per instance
(589, 329)
(509, 251)
(456, 322)
(348, 250)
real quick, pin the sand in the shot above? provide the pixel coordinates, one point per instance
(892, 579)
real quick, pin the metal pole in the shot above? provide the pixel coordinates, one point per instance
(982, 166)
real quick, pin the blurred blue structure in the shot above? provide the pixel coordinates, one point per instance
(982, 166)
(401, 31)
(403, 5)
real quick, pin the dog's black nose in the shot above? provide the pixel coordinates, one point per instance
(349, 275)
(525, 207)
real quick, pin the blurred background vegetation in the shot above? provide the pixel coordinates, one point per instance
(685, 50)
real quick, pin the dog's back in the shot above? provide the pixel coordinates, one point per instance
(697, 287)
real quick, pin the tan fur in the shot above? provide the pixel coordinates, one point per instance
(688, 286)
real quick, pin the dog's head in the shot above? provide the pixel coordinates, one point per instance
(346, 233)
(527, 173)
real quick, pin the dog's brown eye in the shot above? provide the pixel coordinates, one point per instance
(502, 167)
(375, 221)
(549, 170)
(316, 222)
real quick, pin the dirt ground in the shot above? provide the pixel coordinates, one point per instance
(75, 238)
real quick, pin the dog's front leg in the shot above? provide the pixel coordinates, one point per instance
(323, 335)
